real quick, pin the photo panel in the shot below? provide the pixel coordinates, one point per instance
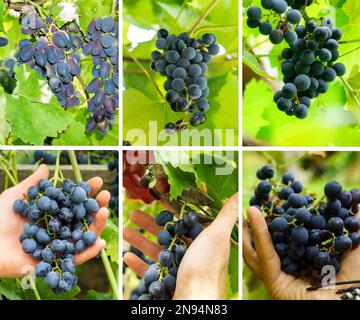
(300, 62)
(180, 220)
(301, 237)
(59, 73)
(59, 233)
(181, 74)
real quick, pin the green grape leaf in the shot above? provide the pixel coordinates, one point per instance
(220, 174)
(90, 9)
(354, 78)
(5, 128)
(253, 288)
(46, 292)
(10, 289)
(257, 98)
(94, 295)
(233, 273)
(250, 60)
(111, 236)
(178, 179)
(76, 135)
(136, 103)
(37, 121)
(31, 85)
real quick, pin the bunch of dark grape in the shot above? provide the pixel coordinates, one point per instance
(3, 42)
(51, 52)
(309, 63)
(183, 60)
(159, 280)
(113, 166)
(103, 45)
(58, 228)
(46, 157)
(308, 232)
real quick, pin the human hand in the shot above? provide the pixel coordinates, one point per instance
(13, 261)
(203, 269)
(266, 265)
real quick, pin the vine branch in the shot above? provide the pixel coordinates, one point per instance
(211, 6)
(148, 75)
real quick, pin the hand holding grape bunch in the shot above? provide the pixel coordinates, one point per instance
(205, 261)
(13, 260)
(300, 235)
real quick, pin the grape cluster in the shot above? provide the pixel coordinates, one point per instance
(308, 232)
(58, 228)
(3, 42)
(159, 280)
(102, 44)
(309, 63)
(51, 52)
(45, 157)
(183, 60)
(113, 166)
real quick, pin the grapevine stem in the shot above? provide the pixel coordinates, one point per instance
(221, 27)
(75, 165)
(7, 172)
(14, 166)
(211, 6)
(284, 165)
(110, 273)
(147, 75)
(270, 158)
(83, 85)
(351, 51)
(104, 258)
(51, 7)
(6, 183)
(178, 15)
(258, 44)
(305, 15)
(57, 168)
(33, 287)
(349, 41)
(7, 162)
(11, 168)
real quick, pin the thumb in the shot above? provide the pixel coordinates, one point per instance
(228, 215)
(41, 173)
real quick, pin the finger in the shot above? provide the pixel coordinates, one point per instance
(144, 221)
(142, 243)
(228, 216)
(135, 263)
(268, 258)
(103, 198)
(41, 173)
(100, 220)
(249, 253)
(95, 184)
(90, 252)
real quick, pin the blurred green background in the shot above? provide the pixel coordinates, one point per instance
(313, 169)
(335, 115)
